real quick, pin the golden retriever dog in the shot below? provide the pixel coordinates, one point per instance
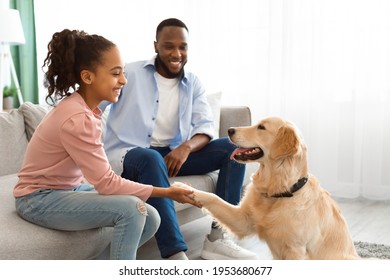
(284, 204)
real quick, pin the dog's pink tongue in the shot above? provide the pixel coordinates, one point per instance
(237, 151)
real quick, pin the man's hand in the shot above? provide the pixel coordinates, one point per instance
(176, 158)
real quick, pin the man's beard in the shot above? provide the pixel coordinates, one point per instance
(169, 73)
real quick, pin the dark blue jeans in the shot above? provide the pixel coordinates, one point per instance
(146, 165)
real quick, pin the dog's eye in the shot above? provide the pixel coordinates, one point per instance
(261, 127)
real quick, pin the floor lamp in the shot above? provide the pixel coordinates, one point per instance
(11, 33)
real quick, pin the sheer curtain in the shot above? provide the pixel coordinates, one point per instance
(323, 64)
(329, 72)
(25, 56)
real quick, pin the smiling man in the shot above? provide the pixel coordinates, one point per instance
(162, 127)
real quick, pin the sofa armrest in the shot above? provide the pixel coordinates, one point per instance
(232, 116)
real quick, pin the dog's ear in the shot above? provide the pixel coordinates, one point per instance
(286, 143)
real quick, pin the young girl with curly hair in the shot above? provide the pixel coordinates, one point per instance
(66, 182)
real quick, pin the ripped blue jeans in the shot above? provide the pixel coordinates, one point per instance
(82, 208)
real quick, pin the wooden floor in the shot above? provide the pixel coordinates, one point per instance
(368, 221)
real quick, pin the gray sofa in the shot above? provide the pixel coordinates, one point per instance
(20, 239)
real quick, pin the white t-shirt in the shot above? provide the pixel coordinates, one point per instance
(167, 119)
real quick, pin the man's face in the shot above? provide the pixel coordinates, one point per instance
(171, 48)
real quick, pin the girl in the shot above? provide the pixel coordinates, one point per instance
(66, 148)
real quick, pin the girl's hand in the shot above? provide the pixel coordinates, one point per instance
(182, 193)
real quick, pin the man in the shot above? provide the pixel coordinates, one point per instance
(161, 127)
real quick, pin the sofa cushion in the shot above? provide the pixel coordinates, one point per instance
(20, 239)
(13, 141)
(233, 116)
(214, 101)
(33, 115)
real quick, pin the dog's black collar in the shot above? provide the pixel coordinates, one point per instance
(298, 185)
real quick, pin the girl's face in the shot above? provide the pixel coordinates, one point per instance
(108, 78)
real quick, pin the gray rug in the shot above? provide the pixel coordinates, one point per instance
(372, 250)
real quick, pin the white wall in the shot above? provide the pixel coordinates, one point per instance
(324, 64)
(4, 4)
(226, 37)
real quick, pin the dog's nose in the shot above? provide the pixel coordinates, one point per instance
(231, 131)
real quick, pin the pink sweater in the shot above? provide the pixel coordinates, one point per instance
(66, 148)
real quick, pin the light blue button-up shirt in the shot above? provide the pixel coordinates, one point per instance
(131, 120)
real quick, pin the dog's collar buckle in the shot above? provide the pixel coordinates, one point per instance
(297, 186)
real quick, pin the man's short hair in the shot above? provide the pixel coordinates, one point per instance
(170, 22)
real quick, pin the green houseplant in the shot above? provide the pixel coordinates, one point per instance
(8, 97)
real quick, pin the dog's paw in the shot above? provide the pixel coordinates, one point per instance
(202, 197)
